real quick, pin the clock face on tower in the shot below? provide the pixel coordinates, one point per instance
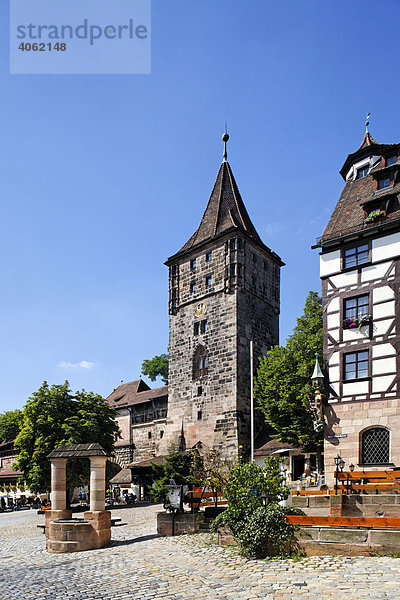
(200, 309)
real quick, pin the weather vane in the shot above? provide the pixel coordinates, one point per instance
(225, 138)
(367, 122)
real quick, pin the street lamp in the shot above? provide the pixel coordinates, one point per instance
(339, 462)
(317, 379)
(351, 468)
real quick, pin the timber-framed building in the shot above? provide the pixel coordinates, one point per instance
(360, 272)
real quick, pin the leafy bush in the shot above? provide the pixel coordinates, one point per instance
(260, 530)
(266, 532)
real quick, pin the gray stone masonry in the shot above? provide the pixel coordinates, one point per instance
(240, 304)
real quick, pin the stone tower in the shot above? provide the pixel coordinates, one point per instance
(223, 292)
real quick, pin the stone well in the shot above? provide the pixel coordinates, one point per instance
(64, 534)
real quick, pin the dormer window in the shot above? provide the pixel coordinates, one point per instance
(362, 172)
(383, 183)
(391, 160)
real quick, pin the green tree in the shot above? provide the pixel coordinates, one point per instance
(282, 386)
(156, 366)
(178, 465)
(10, 424)
(53, 416)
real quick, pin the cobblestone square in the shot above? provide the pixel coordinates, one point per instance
(141, 566)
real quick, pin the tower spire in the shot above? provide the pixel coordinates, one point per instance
(225, 138)
(367, 123)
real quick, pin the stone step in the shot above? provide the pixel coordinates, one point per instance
(205, 525)
(56, 546)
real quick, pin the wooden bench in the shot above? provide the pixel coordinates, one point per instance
(195, 499)
(377, 522)
(368, 481)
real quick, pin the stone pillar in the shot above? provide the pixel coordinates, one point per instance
(97, 483)
(58, 494)
(58, 484)
(336, 505)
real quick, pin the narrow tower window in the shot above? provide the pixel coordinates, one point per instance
(200, 362)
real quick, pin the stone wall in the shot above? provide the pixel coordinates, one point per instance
(347, 541)
(354, 505)
(350, 419)
(184, 523)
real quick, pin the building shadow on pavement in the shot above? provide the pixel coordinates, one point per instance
(143, 538)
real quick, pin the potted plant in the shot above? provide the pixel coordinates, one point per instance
(375, 215)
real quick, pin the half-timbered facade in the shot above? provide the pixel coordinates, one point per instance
(360, 272)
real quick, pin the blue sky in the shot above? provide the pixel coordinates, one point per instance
(105, 176)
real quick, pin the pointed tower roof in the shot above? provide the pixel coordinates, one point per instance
(225, 212)
(368, 147)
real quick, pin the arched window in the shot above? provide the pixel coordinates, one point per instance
(375, 446)
(200, 362)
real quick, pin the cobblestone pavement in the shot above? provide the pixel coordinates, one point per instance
(141, 566)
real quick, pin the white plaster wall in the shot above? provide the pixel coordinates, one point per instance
(384, 365)
(333, 305)
(334, 373)
(383, 350)
(329, 263)
(381, 384)
(374, 271)
(381, 327)
(354, 388)
(384, 310)
(386, 247)
(349, 278)
(382, 293)
(334, 359)
(333, 321)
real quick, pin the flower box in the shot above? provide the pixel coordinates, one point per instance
(356, 322)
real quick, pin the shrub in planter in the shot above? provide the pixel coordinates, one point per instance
(266, 533)
(260, 530)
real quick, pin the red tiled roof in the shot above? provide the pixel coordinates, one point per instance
(273, 446)
(134, 392)
(359, 195)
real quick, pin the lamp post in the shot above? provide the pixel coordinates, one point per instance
(339, 462)
(349, 481)
(317, 378)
